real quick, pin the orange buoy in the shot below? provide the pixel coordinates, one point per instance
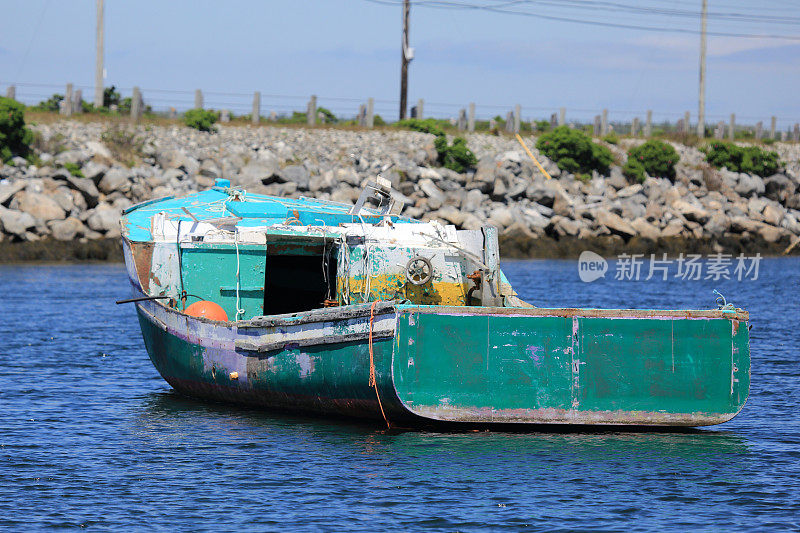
(208, 310)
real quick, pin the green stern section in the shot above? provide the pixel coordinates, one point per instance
(499, 367)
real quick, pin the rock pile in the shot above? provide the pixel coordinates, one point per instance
(83, 183)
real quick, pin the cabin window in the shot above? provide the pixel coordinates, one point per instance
(297, 283)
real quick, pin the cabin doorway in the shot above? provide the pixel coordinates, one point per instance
(295, 283)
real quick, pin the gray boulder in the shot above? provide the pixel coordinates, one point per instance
(540, 193)
(178, 159)
(86, 188)
(749, 184)
(322, 182)
(615, 223)
(779, 187)
(116, 179)
(256, 173)
(431, 190)
(7, 190)
(16, 222)
(94, 171)
(296, 174)
(38, 205)
(501, 217)
(67, 229)
(72, 156)
(103, 218)
(209, 169)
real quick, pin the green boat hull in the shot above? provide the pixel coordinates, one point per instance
(442, 365)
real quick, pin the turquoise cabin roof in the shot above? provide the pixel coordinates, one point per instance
(255, 210)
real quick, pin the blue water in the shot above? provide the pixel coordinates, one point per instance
(91, 436)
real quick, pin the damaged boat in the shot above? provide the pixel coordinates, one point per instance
(319, 307)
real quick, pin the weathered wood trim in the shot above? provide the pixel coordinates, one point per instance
(344, 312)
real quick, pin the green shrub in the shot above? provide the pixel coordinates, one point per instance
(657, 158)
(377, 120)
(768, 141)
(456, 156)
(427, 125)
(74, 169)
(200, 119)
(52, 104)
(330, 118)
(749, 159)
(574, 151)
(542, 125)
(634, 170)
(111, 97)
(15, 138)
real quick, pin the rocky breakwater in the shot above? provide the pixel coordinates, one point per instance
(88, 173)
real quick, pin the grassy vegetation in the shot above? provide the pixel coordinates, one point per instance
(123, 143)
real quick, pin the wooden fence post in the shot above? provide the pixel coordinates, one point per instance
(311, 111)
(517, 118)
(635, 127)
(198, 99)
(604, 123)
(773, 123)
(719, 134)
(759, 130)
(67, 108)
(461, 125)
(732, 127)
(225, 116)
(598, 125)
(796, 132)
(686, 119)
(136, 105)
(420, 109)
(648, 125)
(471, 118)
(77, 102)
(371, 113)
(11, 92)
(255, 114)
(492, 124)
(510, 122)
(362, 115)
(553, 120)
(562, 116)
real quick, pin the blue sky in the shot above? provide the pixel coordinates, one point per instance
(347, 50)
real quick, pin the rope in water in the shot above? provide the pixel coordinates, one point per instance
(372, 381)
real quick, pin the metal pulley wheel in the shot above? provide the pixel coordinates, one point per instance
(419, 270)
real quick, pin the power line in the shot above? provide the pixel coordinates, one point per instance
(463, 5)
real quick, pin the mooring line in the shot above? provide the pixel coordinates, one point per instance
(372, 380)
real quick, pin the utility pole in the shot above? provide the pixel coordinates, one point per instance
(98, 68)
(407, 56)
(701, 111)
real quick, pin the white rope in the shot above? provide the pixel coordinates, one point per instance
(239, 310)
